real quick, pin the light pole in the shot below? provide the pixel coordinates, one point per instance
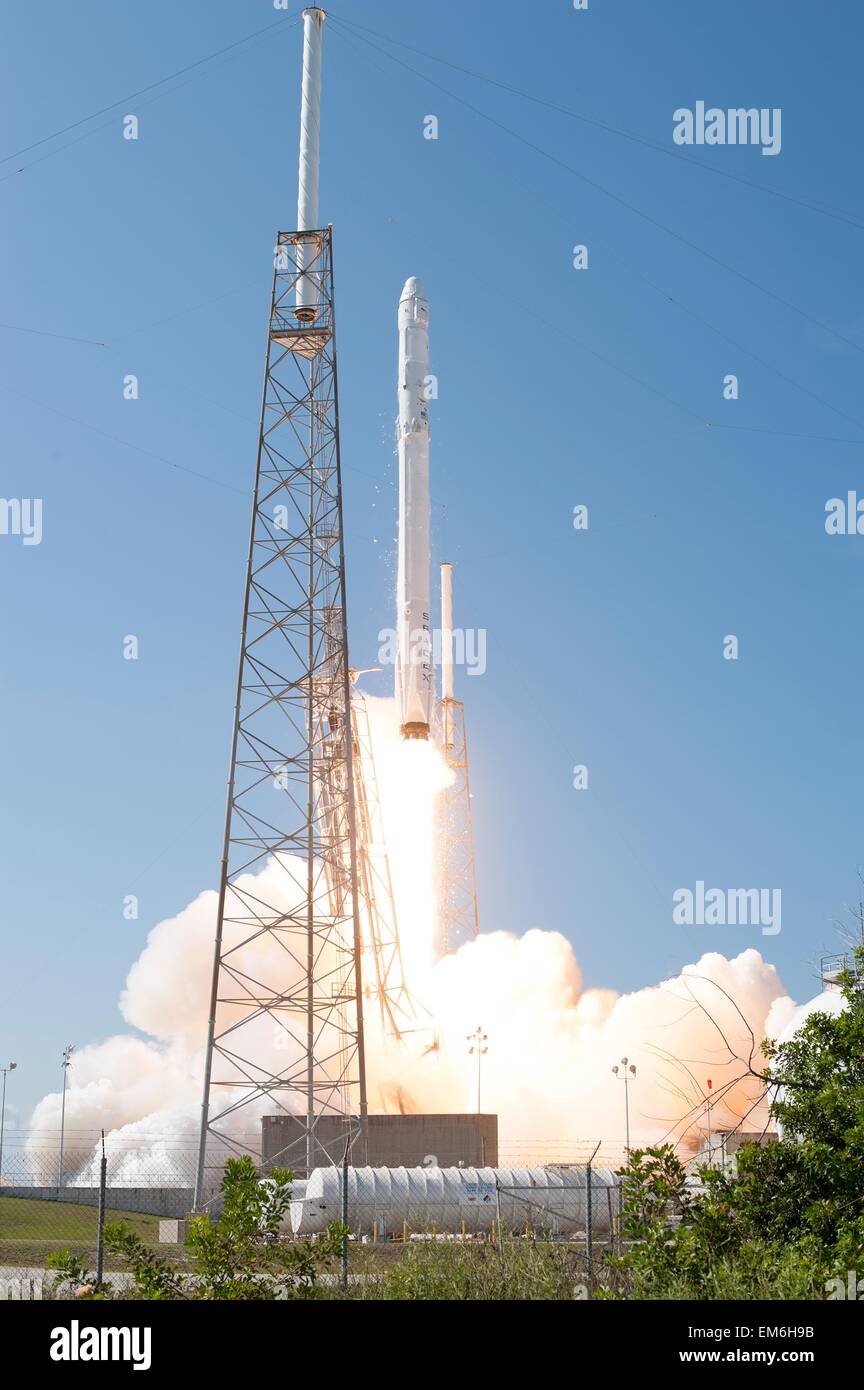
(478, 1040)
(5, 1070)
(624, 1073)
(67, 1053)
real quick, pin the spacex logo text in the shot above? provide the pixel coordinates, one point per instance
(720, 907)
(77, 1343)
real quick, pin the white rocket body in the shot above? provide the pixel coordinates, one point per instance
(414, 679)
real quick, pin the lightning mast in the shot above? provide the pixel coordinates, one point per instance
(457, 869)
(286, 1019)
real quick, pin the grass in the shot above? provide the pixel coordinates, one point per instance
(31, 1229)
(555, 1271)
(448, 1271)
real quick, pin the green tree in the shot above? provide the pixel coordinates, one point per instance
(791, 1212)
(239, 1256)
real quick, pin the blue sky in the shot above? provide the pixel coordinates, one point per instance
(557, 387)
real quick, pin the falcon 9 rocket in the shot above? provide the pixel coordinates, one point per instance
(414, 680)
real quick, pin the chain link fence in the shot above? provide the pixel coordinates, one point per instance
(46, 1207)
(49, 1204)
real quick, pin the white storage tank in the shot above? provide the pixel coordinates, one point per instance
(387, 1201)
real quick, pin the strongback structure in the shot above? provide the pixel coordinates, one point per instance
(286, 1017)
(385, 985)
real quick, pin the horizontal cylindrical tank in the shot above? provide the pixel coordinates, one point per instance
(458, 1200)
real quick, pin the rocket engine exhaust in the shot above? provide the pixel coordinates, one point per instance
(414, 681)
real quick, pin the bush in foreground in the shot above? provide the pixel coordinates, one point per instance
(240, 1256)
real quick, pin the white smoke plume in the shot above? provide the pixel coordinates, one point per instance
(551, 1042)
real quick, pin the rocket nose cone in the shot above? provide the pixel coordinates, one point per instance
(413, 289)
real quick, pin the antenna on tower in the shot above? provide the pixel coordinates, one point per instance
(310, 158)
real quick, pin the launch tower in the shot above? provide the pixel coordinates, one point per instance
(286, 1019)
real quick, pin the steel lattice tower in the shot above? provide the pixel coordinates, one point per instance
(290, 794)
(286, 1018)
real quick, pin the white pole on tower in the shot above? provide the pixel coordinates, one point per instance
(447, 652)
(310, 159)
(457, 874)
(447, 631)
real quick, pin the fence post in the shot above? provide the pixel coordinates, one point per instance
(589, 1214)
(589, 1231)
(100, 1222)
(498, 1216)
(344, 1253)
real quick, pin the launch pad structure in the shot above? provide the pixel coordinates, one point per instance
(305, 902)
(287, 974)
(399, 1013)
(291, 784)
